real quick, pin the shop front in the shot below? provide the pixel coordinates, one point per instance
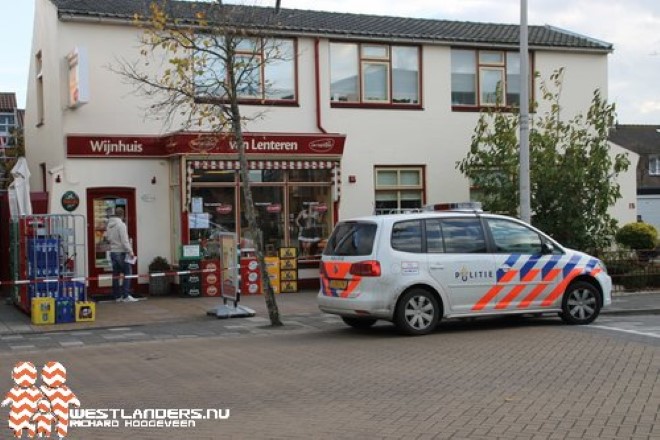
(294, 179)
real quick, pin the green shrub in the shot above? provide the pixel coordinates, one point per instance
(159, 264)
(637, 235)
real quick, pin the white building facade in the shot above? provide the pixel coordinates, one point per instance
(370, 114)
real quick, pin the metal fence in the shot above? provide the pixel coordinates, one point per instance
(633, 270)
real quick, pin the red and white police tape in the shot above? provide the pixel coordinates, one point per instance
(110, 277)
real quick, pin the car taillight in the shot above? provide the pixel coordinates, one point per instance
(369, 268)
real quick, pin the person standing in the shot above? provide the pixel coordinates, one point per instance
(116, 234)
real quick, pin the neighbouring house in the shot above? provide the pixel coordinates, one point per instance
(369, 114)
(11, 119)
(644, 141)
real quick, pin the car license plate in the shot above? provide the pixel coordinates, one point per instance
(338, 284)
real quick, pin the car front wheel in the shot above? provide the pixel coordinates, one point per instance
(581, 304)
(418, 313)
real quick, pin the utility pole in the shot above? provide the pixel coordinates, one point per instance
(525, 198)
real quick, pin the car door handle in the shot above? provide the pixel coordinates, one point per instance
(437, 266)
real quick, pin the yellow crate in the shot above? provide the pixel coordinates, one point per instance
(289, 286)
(85, 311)
(43, 311)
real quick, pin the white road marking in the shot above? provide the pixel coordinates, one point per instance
(634, 332)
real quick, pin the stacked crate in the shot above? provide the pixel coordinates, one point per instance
(41, 262)
(191, 284)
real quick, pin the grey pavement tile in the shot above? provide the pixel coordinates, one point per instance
(81, 333)
(136, 334)
(20, 328)
(22, 347)
(11, 337)
(256, 319)
(71, 343)
(115, 337)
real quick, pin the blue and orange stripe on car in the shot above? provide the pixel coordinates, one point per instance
(338, 270)
(550, 269)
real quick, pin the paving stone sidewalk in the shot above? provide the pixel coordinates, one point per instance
(160, 314)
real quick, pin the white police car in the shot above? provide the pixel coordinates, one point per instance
(413, 269)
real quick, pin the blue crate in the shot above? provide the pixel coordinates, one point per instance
(74, 290)
(65, 310)
(44, 290)
(43, 255)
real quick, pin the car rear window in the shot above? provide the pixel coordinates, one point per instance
(351, 238)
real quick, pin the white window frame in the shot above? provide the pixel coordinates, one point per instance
(386, 59)
(257, 54)
(399, 188)
(388, 73)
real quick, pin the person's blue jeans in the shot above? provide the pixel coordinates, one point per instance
(120, 267)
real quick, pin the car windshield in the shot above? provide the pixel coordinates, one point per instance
(351, 238)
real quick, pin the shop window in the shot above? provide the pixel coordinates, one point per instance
(264, 176)
(398, 189)
(265, 70)
(293, 208)
(481, 78)
(269, 205)
(310, 176)
(217, 176)
(310, 221)
(381, 74)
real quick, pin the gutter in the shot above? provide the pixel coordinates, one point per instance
(68, 17)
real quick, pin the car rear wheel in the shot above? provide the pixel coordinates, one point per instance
(581, 304)
(418, 312)
(361, 323)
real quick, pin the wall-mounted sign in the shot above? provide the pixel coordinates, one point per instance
(78, 77)
(256, 145)
(70, 201)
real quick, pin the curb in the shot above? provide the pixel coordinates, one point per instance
(631, 312)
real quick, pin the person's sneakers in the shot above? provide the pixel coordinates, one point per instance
(130, 299)
(120, 299)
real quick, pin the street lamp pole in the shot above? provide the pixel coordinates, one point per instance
(525, 199)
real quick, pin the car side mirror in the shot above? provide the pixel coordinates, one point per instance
(546, 248)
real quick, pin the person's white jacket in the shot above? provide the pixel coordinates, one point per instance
(117, 235)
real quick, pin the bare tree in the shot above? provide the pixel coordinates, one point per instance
(195, 68)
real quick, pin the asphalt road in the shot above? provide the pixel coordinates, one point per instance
(486, 379)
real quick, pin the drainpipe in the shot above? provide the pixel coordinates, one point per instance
(317, 79)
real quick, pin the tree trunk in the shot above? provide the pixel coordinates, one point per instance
(269, 294)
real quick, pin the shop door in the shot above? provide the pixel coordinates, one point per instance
(101, 202)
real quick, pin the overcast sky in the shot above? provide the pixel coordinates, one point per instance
(633, 26)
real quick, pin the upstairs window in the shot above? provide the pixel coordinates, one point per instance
(654, 165)
(378, 74)
(483, 78)
(265, 70)
(7, 125)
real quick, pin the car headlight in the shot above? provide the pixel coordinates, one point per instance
(602, 266)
